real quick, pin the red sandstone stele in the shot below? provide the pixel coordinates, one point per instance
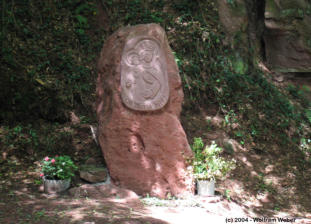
(139, 98)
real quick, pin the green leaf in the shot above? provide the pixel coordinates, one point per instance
(308, 114)
(81, 19)
(81, 31)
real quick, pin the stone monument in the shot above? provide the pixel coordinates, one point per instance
(139, 97)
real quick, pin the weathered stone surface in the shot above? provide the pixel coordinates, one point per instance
(278, 31)
(92, 162)
(288, 35)
(233, 16)
(93, 174)
(243, 21)
(234, 19)
(145, 151)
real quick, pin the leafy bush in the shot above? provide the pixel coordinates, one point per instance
(58, 168)
(207, 163)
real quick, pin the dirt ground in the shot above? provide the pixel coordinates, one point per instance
(22, 200)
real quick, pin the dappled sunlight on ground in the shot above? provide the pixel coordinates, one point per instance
(269, 180)
(22, 200)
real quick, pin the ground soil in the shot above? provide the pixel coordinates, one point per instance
(22, 200)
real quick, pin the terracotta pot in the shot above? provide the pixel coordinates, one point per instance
(55, 186)
(206, 187)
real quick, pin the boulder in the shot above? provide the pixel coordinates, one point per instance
(139, 97)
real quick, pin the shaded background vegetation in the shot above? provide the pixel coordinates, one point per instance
(49, 51)
(48, 60)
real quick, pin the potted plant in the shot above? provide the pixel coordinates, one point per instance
(208, 166)
(57, 173)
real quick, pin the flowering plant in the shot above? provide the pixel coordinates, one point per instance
(58, 168)
(207, 164)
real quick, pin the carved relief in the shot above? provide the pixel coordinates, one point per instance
(144, 82)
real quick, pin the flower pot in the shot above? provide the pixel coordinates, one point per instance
(206, 187)
(55, 186)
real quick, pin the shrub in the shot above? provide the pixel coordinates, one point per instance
(58, 168)
(207, 164)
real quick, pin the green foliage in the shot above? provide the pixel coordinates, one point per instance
(29, 140)
(20, 138)
(231, 2)
(135, 12)
(214, 73)
(207, 163)
(227, 195)
(39, 214)
(38, 182)
(197, 145)
(308, 114)
(299, 94)
(292, 13)
(54, 139)
(48, 68)
(46, 61)
(240, 66)
(210, 77)
(262, 185)
(58, 168)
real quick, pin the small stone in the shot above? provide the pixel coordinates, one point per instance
(278, 78)
(228, 145)
(91, 161)
(74, 118)
(210, 199)
(93, 174)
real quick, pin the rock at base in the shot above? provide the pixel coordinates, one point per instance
(93, 174)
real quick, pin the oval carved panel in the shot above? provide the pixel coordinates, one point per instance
(144, 81)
